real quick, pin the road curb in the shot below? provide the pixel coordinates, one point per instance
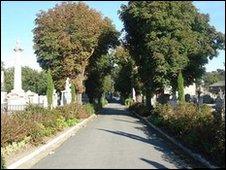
(185, 149)
(51, 145)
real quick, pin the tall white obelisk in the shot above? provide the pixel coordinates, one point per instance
(17, 88)
(17, 96)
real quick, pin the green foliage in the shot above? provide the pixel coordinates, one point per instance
(195, 127)
(9, 79)
(213, 77)
(164, 37)
(103, 102)
(73, 93)
(89, 108)
(180, 82)
(50, 87)
(66, 36)
(140, 109)
(31, 80)
(99, 81)
(128, 102)
(37, 123)
(126, 78)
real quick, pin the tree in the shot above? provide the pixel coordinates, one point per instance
(101, 62)
(65, 37)
(213, 77)
(166, 37)
(50, 88)
(9, 79)
(180, 83)
(99, 68)
(31, 80)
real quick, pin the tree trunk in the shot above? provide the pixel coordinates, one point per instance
(148, 98)
(79, 98)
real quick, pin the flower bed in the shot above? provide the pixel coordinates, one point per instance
(195, 127)
(37, 123)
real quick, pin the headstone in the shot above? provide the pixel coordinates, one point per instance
(134, 95)
(32, 97)
(66, 94)
(173, 100)
(42, 100)
(55, 97)
(153, 100)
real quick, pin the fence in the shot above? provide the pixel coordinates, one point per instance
(12, 108)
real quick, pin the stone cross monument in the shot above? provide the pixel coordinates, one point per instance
(17, 96)
(17, 88)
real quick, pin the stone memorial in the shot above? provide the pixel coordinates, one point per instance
(32, 97)
(55, 98)
(66, 94)
(17, 96)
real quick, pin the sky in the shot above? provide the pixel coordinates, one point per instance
(17, 23)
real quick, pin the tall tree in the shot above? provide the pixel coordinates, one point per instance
(165, 37)
(65, 37)
(101, 62)
(180, 83)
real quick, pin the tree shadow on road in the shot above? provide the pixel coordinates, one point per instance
(156, 142)
(122, 120)
(155, 164)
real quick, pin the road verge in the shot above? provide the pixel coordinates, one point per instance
(40, 152)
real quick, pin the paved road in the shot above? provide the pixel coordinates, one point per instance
(114, 140)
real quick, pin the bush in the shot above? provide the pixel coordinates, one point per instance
(194, 126)
(37, 122)
(140, 109)
(129, 102)
(89, 108)
(103, 102)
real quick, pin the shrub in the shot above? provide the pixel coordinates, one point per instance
(129, 102)
(103, 102)
(89, 108)
(195, 126)
(140, 109)
(37, 122)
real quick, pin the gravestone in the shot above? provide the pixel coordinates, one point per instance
(134, 95)
(173, 100)
(55, 97)
(66, 94)
(42, 100)
(32, 97)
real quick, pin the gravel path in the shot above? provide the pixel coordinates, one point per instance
(115, 140)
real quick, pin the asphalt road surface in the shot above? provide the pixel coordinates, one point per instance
(116, 139)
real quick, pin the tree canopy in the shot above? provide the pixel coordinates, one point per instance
(165, 38)
(31, 80)
(65, 37)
